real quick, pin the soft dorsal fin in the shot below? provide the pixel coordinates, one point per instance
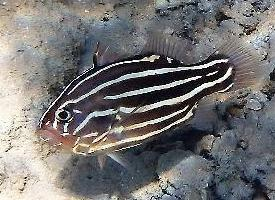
(168, 46)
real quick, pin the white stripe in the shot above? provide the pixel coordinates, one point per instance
(81, 145)
(126, 110)
(212, 73)
(141, 74)
(54, 123)
(182, 98)
(65, 134)
(224, 90)
(100, 137)
(93, 134)
(150, 59)
(143, 137)
(145, 59)
(93, 115)
(169, 60)
(77, 111)
(155, 121)
(153, 88)
(77, 141)
(65, 127)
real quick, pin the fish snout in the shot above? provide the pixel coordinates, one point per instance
(49, 136)
(55, 138)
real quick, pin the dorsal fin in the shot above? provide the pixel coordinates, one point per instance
(105, 55)
(89, 47)
(168, 46)
(250, 71)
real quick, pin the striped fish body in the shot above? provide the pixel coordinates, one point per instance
(123, 104)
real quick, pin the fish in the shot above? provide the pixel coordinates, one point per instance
(120, 103)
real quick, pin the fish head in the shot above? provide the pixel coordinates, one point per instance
(57, 125)
(67, 124)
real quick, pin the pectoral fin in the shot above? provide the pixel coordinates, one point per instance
(101, 161)
(120, 159)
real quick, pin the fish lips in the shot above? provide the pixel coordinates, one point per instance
(55, 138)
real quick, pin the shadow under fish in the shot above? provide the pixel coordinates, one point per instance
(82, 176)
(120, 103)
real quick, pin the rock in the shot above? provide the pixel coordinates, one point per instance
(271, 195)
(164, 4)
(42, 50)
(260, 5)
(179, 168)
(256, 100)
(270, 181)
(205, 144)
(224, 145)
(253, 104)
(234, 189)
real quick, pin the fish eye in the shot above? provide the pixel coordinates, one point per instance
(63, 115)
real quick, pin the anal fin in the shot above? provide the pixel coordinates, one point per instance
(206, 114)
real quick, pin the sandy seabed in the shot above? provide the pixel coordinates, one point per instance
(42, 48)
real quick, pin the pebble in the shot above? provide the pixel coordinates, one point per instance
(164, 4)
(253, 104)
(181, 168)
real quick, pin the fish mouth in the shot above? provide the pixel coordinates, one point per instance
(49, 136)
(55, 138)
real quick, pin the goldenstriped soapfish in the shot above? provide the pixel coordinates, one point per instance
(121, 103)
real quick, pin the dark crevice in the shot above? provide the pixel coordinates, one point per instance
(212, 189)
(260, 190)
(206, 155)
(270, 89)
(249, 29)
(261, 5)
(220, 16)
(272, 75)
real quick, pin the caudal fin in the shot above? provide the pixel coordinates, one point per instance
(250, 71)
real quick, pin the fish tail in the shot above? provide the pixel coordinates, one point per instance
(249, 70)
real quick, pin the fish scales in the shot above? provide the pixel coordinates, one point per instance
(101, 79)
(121, 104)
(168, 73)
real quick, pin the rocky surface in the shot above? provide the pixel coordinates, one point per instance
(42, 48)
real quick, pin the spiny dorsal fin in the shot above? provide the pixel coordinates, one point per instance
(105, 55)
(168, 46)
(91, 51)
(249, 69)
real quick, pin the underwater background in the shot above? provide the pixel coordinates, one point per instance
(44, 44)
